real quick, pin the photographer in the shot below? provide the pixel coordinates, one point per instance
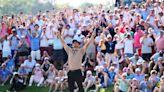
(16, 83)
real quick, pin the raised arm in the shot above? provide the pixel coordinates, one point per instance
(29, 34)
(66, 47)
(89, 42)
(40, 34)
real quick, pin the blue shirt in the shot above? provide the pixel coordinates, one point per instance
(139, 77)
(129, 76)
(10, 64)
(144, 87)
(35, 42)
(14, 43)
(4, 73)
(144, 14)
(21, 32)
(22, 71)
(111, 75)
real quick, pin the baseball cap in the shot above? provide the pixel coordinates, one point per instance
(137, 70)
(75, 40)
(37, 65)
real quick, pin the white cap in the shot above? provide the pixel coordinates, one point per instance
(98, 68)
(22, 65)
(134, 79)
(109, 36)
(140, 61)
(22, 36)
(89, 72)
(37, 65)
(137, 70)
(112, 67)
(15, 73)
(21, 27)
(160, 58)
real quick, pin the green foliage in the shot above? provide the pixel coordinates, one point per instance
(85, 5)
(27, 6)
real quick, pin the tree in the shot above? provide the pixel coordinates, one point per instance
(8, 7)
(85, 5)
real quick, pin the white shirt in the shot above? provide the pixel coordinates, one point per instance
(145, 45)
(97, 39)
(126, 16)
(6, 46)
(44, 41)
(29, 64)
(68, 40)
(157, 10)
(128, 46)
(79, 37)
(86, 20)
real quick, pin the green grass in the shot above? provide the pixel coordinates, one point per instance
(38, 89)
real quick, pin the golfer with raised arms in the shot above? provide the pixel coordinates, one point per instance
(75, 55)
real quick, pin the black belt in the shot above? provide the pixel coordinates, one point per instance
(75, 70)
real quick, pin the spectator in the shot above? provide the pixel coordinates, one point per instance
(29, 64)
(160, 85)
(37, 76)
(46, 64)
(44, 45)
(14, 42)
(146, 85)
(45, 55)
(138, 75)
(23, 49)
(147, 44)
(4, 74)
(134, 85)
(135, 59)
(57, 52)
(23, 73)
(110, 45)
(6, 50)
(159, 65)
(16, 83)
(10, 63)
(128, 46)
(137, 35)
(89, 81)
(159, 41)
(35, 46)
(154, 78)
(123, 84)
(60, 81)
(51, 74)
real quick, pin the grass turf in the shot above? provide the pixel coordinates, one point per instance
(39, 89)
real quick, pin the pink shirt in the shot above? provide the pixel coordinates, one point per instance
(3, 31)
(137, 37)
(38, 74)
(160, 44)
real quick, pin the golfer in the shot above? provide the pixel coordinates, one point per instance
(75, 55)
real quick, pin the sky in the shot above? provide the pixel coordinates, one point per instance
(76, 3)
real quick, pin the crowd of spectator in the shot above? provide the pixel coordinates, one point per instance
(127, 52)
